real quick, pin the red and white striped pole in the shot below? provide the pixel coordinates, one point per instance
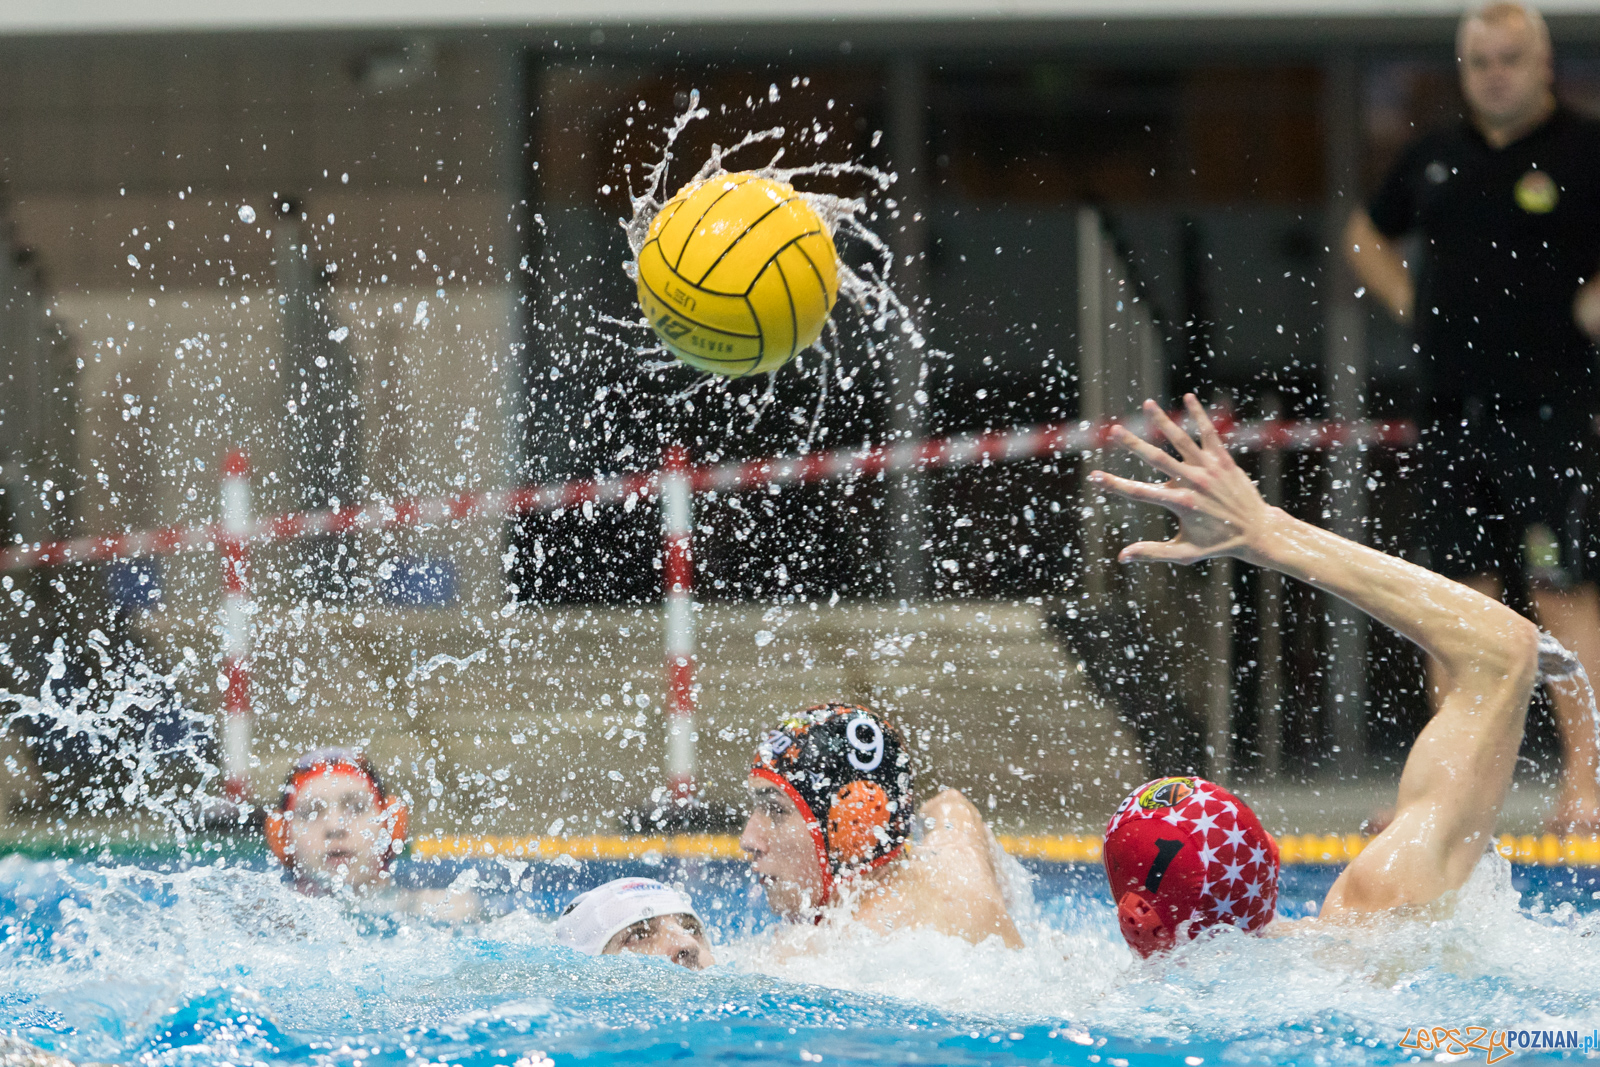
(677, 572)
(232, 545)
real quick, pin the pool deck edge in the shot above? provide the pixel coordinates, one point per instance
(1545, 850)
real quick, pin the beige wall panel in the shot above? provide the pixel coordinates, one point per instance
(557, 713)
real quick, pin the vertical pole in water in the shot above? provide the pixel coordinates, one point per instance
(1269, 611)
(1092, 405)
(232, 546)
(1219, 694)
(1345, 368)
(677, 571)
(908, 243)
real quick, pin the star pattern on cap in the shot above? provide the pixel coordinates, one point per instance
(1240, 883)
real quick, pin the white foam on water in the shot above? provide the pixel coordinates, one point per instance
(132, 945)
(1480, 959)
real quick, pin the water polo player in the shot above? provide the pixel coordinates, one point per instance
(1182, 854)
(336, 830)
(636, 915)
(830, 832)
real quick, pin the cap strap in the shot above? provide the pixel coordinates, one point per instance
(818, 837)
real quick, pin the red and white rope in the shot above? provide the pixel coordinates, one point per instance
(962, 450)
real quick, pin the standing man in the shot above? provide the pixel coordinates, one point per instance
(1504, 302)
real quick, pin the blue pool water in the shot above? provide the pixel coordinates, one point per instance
(222, 964)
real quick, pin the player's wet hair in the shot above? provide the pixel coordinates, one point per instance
(848, 772)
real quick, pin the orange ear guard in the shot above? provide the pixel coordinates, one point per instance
(399, 826)
(277, 831)
(856, 818)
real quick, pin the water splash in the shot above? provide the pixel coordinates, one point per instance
(425, 671)
(143, 745)
(868, 289)
(221, 964)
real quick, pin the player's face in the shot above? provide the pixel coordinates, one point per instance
(1505, 70)
(782, 851)
(679, 938)
(339, 835)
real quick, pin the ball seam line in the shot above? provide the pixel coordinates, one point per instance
(659, 224)
(780, 250)
(761, 339)
(827, 301)
(695, 322)
(735, 242)
(701, 219)
(794, 314)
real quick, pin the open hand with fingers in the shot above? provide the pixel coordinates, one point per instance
(1219, 511)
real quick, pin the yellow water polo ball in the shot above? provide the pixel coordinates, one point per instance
(737, 274)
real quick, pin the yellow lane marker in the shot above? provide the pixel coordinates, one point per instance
(1548, 850)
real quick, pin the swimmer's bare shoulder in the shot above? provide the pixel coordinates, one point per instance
(948, 882)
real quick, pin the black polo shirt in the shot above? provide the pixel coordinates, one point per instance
(1508, 236)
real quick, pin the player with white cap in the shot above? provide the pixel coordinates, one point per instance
(638, 915)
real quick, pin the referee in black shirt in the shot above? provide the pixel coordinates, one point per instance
(1505, 307)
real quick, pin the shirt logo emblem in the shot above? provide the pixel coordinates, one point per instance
(1536, 193)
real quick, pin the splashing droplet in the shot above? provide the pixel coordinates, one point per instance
(247, 214)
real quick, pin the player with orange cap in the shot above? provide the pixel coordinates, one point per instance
(1182, 854)
(830, 833)
(337, 831)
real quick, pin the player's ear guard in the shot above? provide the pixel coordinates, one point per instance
(1142, 925)
(858, 823)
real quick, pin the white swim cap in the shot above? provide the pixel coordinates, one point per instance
(595, 917)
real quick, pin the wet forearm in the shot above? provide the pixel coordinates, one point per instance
(1450, 621)
(1377, 266)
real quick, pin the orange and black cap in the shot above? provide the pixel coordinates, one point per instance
(848, 772)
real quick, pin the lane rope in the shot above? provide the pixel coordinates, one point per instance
(1545, 850)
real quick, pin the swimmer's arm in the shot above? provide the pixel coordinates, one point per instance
(949, 819)
(1378, 266)
(1457, 774)
(1452, 788)
(959, 842)
(1460, 768)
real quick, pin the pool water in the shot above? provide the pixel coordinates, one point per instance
(127, 962)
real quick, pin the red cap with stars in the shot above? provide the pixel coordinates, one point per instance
(1186, 851)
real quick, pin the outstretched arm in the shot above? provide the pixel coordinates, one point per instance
(1378, 266)
(1456, 777)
